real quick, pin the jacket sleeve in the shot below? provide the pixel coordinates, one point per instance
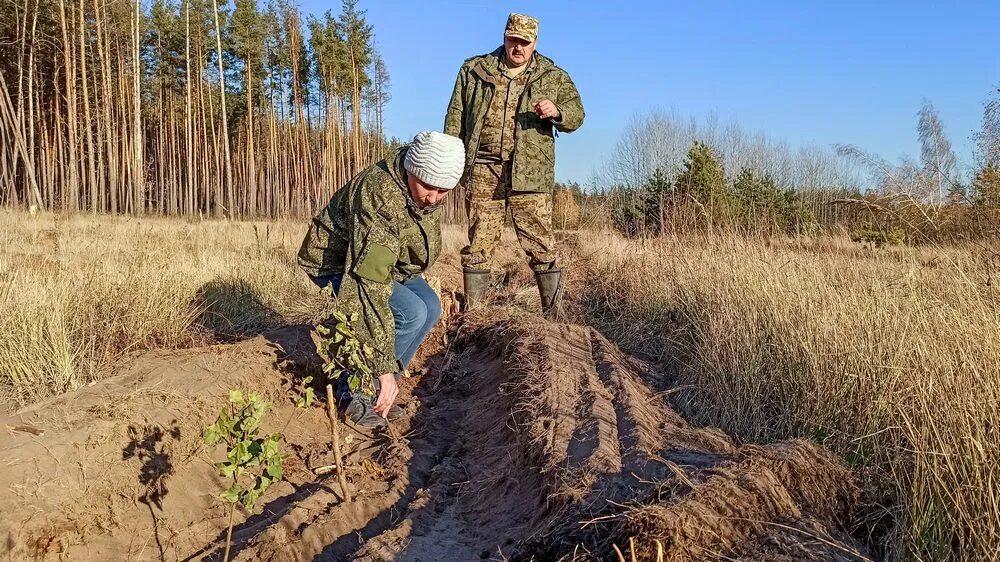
(367, 286)
(454, 118)
(570, 106)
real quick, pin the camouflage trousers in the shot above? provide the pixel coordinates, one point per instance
(488, 198)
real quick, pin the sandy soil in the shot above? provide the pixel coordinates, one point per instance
(524, 440)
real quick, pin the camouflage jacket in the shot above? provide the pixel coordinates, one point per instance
(372, 234)
(534, 143)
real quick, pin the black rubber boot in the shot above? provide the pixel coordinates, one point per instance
(476, 281)
(550, 290)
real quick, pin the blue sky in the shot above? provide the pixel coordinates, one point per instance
(807, 72)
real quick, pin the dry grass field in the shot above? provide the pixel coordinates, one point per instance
(890, 358)
(77, 293)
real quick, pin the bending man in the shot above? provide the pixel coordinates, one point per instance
(372, 243)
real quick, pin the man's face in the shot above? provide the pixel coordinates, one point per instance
(518, 50)
(424, 195)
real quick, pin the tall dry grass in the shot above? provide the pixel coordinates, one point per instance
(78, 293)
(891, 357)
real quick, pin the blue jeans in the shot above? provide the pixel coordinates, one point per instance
(415, 310)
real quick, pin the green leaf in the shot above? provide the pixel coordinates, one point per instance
(261, 409)
(276, 470)
(263, 483)
(213, 433)
(256, 448)
(236, 397)
(250, 424)
(232, 495)
(250, 497)
(270, 446)
(240, 453)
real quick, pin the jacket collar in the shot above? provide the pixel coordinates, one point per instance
(488, 67)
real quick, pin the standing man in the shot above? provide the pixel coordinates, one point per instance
(506, 107)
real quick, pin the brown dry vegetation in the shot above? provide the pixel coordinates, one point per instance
(888, 357)
(78, 293)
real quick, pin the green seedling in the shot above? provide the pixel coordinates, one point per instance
(346, 354)
(308, 395)
(253, 462)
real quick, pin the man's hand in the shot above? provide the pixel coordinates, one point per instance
(546, 110)
(388, 390)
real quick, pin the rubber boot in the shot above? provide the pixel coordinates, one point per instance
(476, 281)
(550, 290)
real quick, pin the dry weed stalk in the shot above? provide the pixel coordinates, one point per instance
(331, 412)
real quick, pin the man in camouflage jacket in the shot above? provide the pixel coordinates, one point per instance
(371, 244)
(507, 107)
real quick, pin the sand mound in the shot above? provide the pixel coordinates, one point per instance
(558, 450)
(528, 441)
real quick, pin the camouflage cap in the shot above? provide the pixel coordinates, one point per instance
(522, 27)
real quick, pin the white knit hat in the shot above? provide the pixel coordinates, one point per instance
(436, 159)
